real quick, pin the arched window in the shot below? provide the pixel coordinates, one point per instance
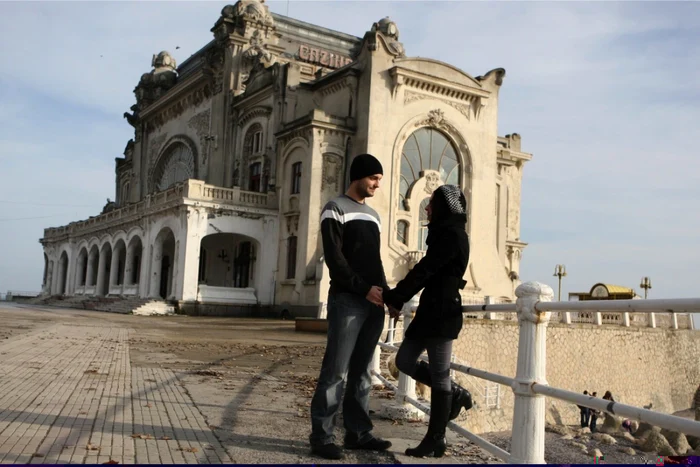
(175, 166)
(427, 149)
(254, 176)
(402, 232)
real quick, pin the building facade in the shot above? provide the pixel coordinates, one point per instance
(235, 152)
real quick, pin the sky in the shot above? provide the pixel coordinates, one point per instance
(606, 96)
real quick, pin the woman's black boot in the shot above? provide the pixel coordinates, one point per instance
(461, 399)
(434, 443)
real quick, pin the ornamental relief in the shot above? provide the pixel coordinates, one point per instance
(332, 172)
(200, 124)
(410, 96)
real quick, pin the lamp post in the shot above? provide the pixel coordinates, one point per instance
(646, 285)
(559, 271)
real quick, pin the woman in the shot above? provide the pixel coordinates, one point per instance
(439, 316)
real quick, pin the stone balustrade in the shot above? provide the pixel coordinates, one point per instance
(194, 190)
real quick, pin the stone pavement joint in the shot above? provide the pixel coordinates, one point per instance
(68, 394)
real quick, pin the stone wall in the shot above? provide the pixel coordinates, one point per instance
(638, 365)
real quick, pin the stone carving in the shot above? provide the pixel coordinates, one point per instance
(389, 32)
(258, 50)
(436, 118)
(236, 172)
(193, 99)
(156, 83)
(260, 111)
(332, 167)
(214, 67)
(200, 124)
(410, 96)
(250, 10)
(432, 181)
(240, 18)
(292, 223)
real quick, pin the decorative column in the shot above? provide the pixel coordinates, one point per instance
(527, 444)
(156, 263)
(101, 271)
(113, 272)
(129, 265)
(88, 276)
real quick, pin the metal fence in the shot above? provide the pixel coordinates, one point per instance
(533, 311)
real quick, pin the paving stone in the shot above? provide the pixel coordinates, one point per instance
(69, 394)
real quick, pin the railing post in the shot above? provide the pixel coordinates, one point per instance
(626, 318)
(488, 300)
(652, 320)
(598, 316)
(407, 385)
(527, 444)
(566, 317)
(400, 409)
(674, 317)
(375, 365)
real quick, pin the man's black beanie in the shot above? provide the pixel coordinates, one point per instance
(363, 166)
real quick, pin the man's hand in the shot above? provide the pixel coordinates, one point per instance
(375, 296)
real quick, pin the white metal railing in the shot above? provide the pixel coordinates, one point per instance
(534, 310)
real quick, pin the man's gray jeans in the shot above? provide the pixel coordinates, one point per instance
(354, 328)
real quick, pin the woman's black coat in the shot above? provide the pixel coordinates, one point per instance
(440, 272)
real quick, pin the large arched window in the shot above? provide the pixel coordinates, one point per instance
(427, 149)
(175, 166)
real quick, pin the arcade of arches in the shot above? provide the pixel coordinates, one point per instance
(226, 260)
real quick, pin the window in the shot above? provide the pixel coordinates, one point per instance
(291, 257)
(402, 232)
(257, 142)
(427, 149)
(176, 166)
(202, 265)
(296, 178)
(254, 181)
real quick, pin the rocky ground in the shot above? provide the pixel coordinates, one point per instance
(253, 381)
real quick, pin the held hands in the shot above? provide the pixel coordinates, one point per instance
(375, 296)
(393, 312)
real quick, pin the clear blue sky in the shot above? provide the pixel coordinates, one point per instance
(605, 95)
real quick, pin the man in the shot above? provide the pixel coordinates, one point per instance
(585, 413)
(351, 232)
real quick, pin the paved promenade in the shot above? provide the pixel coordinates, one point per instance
(68, 394)
(79, 386)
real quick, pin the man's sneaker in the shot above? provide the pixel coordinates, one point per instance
(327, 451)
(374, 444)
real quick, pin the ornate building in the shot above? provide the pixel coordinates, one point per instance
(235, 152)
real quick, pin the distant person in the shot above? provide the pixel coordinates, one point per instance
(351, 239)
(585, 413)
(608, 396)
(594, 415)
